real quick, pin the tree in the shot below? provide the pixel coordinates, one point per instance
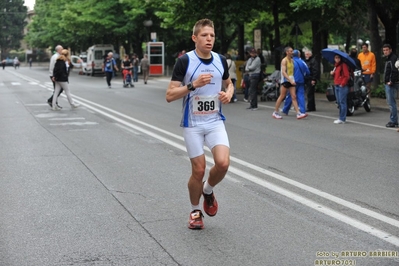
(388, 13)
(12, 23)
(228, 17)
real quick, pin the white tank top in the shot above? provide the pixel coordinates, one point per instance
(202, 106)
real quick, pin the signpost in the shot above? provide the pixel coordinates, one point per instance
(257, 39)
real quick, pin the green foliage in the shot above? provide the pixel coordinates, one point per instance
(12, 23)
(378, 92)
(322, 85)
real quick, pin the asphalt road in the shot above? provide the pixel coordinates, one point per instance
(106, 183)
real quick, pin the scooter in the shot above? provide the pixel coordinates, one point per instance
(357, 95)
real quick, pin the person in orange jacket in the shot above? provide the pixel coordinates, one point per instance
(367, 59)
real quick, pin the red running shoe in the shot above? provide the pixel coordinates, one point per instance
(210, 204)
(195, 220)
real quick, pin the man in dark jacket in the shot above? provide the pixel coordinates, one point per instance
(311, 80)
(391, 81)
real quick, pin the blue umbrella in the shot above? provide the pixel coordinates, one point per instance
(329, 54)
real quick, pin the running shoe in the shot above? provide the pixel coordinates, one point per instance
(277, 115)
(195, 220)
(210, 204)
(300, 115)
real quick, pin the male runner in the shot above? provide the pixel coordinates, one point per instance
(198, 78)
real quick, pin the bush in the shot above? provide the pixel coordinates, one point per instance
(378, 92)
(322, 85)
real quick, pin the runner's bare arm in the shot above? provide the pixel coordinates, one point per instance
(225, 96)
(175, 91)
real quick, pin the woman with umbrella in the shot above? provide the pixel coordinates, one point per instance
(341, 78)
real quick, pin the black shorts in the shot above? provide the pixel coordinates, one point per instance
(287, 85)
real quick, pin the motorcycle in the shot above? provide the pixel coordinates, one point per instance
(271, 87)
(357, 95)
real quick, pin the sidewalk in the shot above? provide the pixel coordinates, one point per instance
(376, 103)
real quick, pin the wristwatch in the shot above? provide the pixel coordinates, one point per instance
(190, 86)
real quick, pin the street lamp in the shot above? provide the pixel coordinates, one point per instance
(368, 42)
(360, 42)
(147, 24)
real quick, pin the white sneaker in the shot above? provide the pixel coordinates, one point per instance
(300, 115)
(338, 121)
(235, 99)
(56, 108)
(277, 115)
(245, 100)
(75, 105)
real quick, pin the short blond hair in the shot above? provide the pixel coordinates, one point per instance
(202, 23)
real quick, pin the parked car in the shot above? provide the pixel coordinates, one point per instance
(9, 62)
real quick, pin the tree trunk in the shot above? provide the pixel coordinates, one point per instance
(390, 34)
(389, 19)
(240, 42)
(277, 42)
(376, 42)
(348, 41)
(317, 38)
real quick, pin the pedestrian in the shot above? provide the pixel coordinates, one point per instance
(108, 67)
(301, 70)
(233, 75)
(53, 59)
(183, 52)
(198, 77)
(60, 77)
(369, 66)
(135, 63)
(353, 55)
(253, 68)
(145, 67)
(341, 78)
(391, 81)
(16, 63)
(311, 80)
(126, 66)
(245, 78)
(3, 63)
(30, 62)
(287, 84)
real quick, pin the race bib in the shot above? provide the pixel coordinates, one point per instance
(205, 105)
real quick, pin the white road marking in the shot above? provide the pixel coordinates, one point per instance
(75, 124)
(47, 115)
(15, 83)
(302, 200)
(36, 104)
(67, 118)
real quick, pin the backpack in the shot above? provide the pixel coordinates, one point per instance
(109, 64)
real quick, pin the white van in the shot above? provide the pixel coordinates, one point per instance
(95, 57)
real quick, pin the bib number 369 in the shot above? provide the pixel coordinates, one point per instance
(206, 106)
